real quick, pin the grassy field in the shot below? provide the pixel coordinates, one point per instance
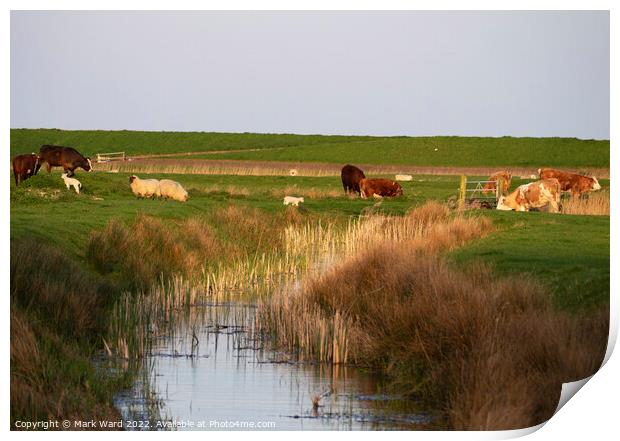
(570, 252)
(421, 151)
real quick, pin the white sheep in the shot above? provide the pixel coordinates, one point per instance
(144, 187)
(173, 190)
(71, 182)
(292, 200)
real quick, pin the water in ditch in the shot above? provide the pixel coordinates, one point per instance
(213, 372)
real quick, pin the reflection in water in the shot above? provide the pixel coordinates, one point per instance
(214, 374)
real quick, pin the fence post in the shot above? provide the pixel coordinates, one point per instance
(499, 188)
(462, 191)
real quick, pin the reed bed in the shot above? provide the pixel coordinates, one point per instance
(299, 325)
(200, 168)
(593, 204)
(173, 266)
(282, 168)
(491, 352)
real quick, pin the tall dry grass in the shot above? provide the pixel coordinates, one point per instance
(150, 248)
(595, 203)
(58, 313)
(493, 351)
(168, 265)
(294, 315)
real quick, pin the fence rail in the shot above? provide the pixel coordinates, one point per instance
(113, 156)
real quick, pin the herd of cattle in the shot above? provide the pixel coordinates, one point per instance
(26, 166)
(541, 193)
(538, 194)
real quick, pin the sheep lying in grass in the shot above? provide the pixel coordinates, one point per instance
(144, 188)
(292, 200)
(71, 182)
(172, 190)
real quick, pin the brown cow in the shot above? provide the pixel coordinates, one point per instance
(66, 157)
(25, 166)
(533, 195)
(379, 188)
(503, 177)
(351, 177)
(571, 182)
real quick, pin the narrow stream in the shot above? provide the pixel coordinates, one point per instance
(214, 373)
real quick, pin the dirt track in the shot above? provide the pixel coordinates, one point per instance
(278, 168)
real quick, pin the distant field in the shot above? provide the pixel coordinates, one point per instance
(421, 151)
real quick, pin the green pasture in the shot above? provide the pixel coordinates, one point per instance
(570, 253)
(422, 151)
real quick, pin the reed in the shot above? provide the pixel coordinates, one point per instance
(592, 204)
(492, 352)
(297, 321)
(204, 168)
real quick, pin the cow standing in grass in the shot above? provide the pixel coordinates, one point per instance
(571, 182)
(351, 177)
(25, 166)
(66, 157)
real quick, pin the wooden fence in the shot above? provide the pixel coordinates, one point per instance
(114, 156)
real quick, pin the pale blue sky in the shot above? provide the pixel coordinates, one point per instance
(377, 73)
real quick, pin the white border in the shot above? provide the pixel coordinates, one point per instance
(591, 415)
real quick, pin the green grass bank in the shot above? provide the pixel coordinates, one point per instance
(423, 151)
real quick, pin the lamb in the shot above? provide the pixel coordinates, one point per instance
(173, 190)
(292, 200)
(144, 187)
(71, 182)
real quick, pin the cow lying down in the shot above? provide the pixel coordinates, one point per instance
(379, 188)
(545, 192)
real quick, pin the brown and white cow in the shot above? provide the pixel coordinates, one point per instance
(545, 192)
(503, 178)
(571, 182)
(379, 188)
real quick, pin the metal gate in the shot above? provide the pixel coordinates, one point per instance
(471, 193)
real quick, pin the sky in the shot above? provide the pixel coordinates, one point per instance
(530, 73)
